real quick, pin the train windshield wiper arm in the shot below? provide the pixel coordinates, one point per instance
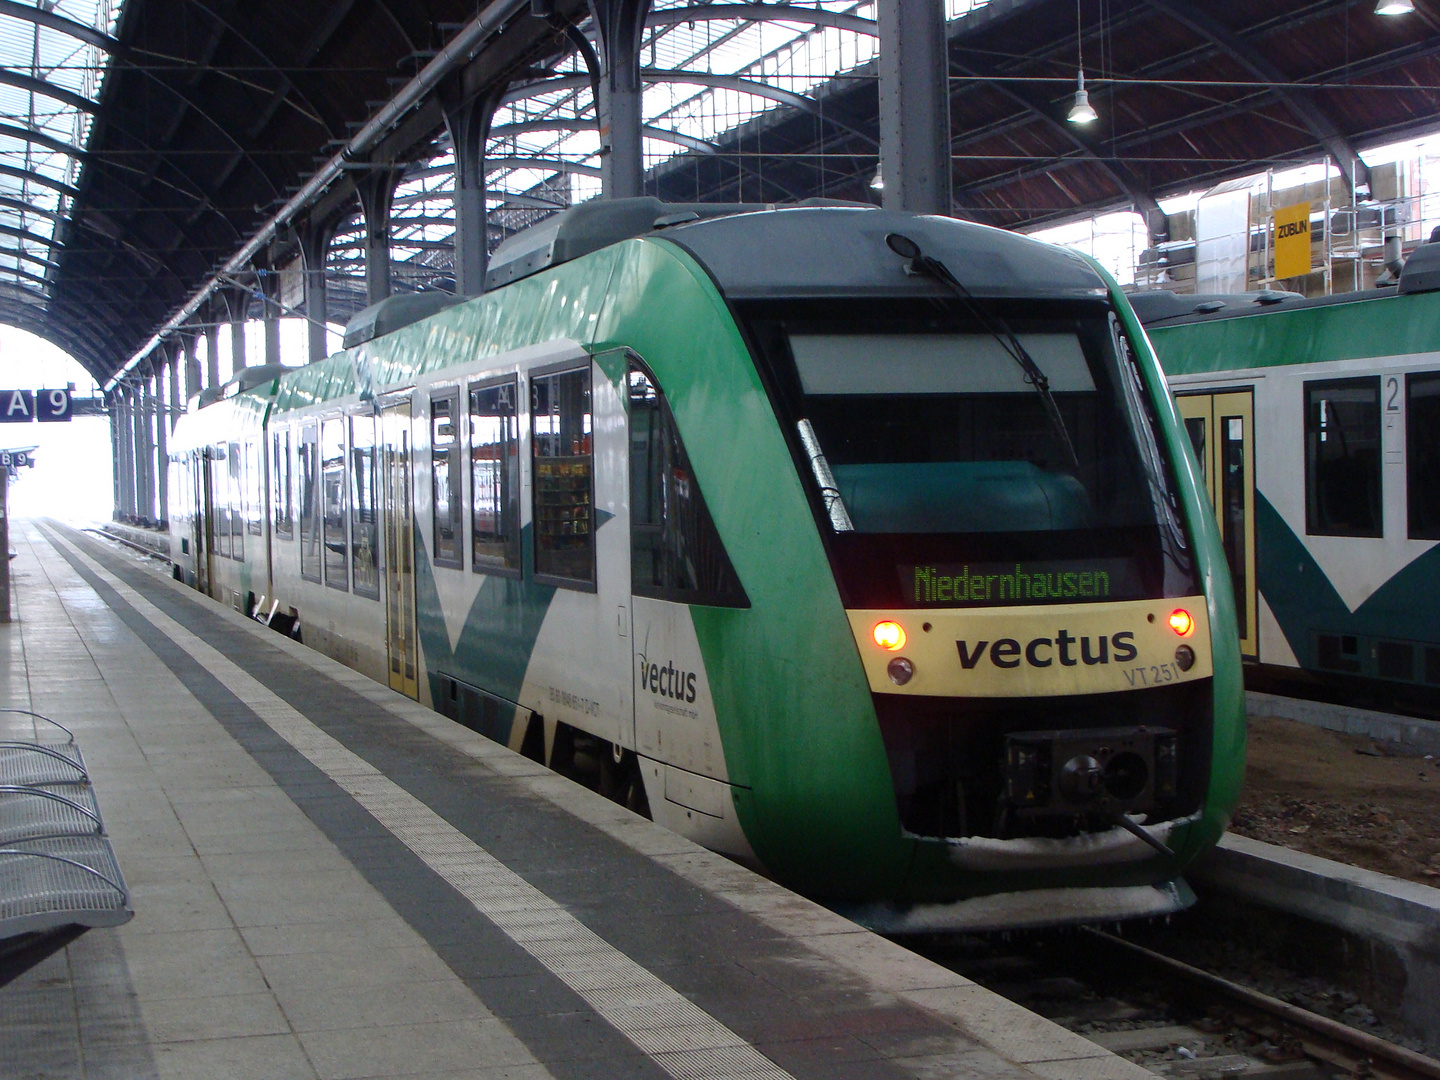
(996, 327)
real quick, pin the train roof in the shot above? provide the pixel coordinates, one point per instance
(1159, 308)
(841, 252)
(816, 248)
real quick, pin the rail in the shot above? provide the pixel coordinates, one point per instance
(1322, 1038)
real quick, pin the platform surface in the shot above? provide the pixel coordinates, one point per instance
(331, 881)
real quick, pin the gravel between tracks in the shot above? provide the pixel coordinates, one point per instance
(1343, 797)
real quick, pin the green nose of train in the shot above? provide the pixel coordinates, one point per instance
(863, 547)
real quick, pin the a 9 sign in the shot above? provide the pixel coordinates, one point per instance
(52, 406)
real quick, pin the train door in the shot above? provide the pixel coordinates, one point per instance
(200, 518)
(397, 522)
(580, 543)
(1221, 427)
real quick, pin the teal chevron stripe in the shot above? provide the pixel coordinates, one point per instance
(1407, 607)
(500, 629)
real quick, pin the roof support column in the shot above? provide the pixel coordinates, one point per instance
(315, 237)
(237, 303)
(193, 385)
(172, 372)
(212, 352)
(377, 191)
(270, 292)
(132, 501)
(914, 106)
(112, 408)
(144, 500)
(120, 434)
(469, 127)
(620, 25)
(156, 385)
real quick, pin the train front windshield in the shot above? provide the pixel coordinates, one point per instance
(937, 457)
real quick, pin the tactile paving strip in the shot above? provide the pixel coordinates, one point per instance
(681, 1038)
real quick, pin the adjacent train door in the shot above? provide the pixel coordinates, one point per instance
(1221, 427)
(200, 518)
(399, 547)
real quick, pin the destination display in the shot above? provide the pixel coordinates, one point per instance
(1049, 581)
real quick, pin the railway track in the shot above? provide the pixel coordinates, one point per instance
(1173, 1018)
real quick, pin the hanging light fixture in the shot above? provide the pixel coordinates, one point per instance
(878, 183)
(1082, 112)
(1394, 7)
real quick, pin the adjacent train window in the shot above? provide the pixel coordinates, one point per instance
(364, 520)
(309, 456)
(1342, 458)
(564, 492)
(282, 504)
(675, 552)
(220, 500)
(1231, 430)
(254, 488)
(234, 469)
(445, 476)
(1422, 454)
(332, 470)
(494, 477)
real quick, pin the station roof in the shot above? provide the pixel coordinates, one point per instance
(143, 144)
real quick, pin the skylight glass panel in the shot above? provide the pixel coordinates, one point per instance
(555, 121)
(62, 65)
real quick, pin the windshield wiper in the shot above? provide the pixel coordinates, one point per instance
(995, 326)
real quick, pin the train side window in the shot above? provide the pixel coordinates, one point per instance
(254, 487)
(220, 500)
(281, 490)
(332, 469)
(494, 477)
(675, 551)
(309, 454)
(1342, 458)
(364, 521)
(445, 477)
(235, 469)
(563, 478)
(1422, 454)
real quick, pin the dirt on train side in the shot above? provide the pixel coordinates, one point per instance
(1344, 797)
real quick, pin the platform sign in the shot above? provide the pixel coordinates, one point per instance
(1292, 240)
(17, 406)
(52, 406)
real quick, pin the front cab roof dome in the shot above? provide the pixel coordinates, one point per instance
(842, 251)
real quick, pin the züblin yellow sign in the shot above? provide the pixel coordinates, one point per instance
(1292, 240)
(1088, 648)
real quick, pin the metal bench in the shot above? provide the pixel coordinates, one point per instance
(25, 761)
(58, 874)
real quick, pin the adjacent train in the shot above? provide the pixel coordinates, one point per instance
(863, 547)
(1317, 423)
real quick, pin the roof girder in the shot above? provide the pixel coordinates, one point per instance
(1301, 104)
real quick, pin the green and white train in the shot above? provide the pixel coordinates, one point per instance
(863, 547)
(1318, 423)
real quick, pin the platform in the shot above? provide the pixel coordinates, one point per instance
(332, 881)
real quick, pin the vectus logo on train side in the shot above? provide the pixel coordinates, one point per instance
(1008, 652)
(667, 681)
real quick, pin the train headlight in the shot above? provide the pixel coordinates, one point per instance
(901, 670)
(1184, 657)
(1181, 622)
(890, 636)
